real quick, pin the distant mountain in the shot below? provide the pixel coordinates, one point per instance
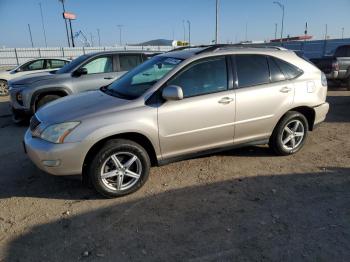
(157, 42)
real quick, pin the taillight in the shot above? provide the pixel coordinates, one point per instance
(335, 66)
(323, 79)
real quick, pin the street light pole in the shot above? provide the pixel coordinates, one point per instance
(217, 23)
(65, 21)
(184, 28)
(99, 39)
(120, 34)
(282, 7)
(189, 32)
(276, 31)
(42, 23)
(30, 35)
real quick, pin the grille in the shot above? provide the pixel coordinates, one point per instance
(34, 123)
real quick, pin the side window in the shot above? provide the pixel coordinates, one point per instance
(203, 77)
(252, 70)
(288, 70)
(128, 62)
(276, 73)
(36, 65)
(54, 63)
(102, 64)
(341, 51)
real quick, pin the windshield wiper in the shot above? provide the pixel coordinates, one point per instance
(115, 93)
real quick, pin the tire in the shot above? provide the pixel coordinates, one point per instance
(287, 131)
(4, 91)
(112, 159)
(46, 99)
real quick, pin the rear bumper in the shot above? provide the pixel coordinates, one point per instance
(321, 113)
(56, 159)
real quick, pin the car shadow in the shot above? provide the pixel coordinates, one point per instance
(289, 217)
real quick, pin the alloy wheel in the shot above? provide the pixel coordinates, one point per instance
(293, 134)
(121, 171)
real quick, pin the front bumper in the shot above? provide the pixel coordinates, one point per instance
(56, 159)
(321, 113)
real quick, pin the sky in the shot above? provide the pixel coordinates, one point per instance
(145, 20)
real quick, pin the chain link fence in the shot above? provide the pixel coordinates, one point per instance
(17, 56)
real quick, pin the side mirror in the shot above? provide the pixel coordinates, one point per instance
(80, 71)
(172, 92)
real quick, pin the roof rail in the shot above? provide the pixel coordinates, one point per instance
(215, 47)
(187, 47)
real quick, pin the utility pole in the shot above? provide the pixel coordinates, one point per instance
(42, 23)
(91, 39)
(120, 34)
(326, 32)
(184, 28)
(99, 39)
(65, 21)
(276, 30)
(246, 31)
(71, 32)
(342, 33)
(189, 32)
(282, 7)
(217, 23)
(30, 35)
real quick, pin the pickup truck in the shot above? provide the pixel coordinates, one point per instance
(336, 67)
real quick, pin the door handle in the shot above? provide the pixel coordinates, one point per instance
(225, 100)
(108, 78)
(285, 89)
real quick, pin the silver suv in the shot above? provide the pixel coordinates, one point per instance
(87, 72)
(178, 105)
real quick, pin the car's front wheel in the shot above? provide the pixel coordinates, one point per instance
(4, 91)
(120, 167)
(290, 134)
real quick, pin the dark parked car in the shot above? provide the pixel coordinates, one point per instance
(336, 67)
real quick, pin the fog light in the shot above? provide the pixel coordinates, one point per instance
(51, 163)
(19, 98)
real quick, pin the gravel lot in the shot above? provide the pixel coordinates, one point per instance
(241, 205)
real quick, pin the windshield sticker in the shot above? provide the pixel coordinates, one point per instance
(172, 61)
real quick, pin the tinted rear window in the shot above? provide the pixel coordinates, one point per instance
(276, 73)
(252, 70)
(290, 71)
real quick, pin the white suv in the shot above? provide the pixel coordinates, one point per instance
(176, 105)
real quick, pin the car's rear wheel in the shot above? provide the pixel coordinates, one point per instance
(46, 99)
(4, 91)
(290, 134)
(119, 168)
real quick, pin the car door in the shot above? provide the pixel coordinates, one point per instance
(31, 67)
(55, 64)
(126, 62)
(100, 72)
(263, 95)
(204, 119)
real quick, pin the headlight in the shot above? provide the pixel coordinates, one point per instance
(57, 133)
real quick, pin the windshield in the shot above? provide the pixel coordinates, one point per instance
(70, 66)
(137, 81)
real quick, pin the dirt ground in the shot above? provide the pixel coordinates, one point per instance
(241, 205)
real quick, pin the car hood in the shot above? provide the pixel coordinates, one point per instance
(81, 106)
(33, 77)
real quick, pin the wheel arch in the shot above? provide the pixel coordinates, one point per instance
(307, 111)
(37, 95)
(139, 138)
